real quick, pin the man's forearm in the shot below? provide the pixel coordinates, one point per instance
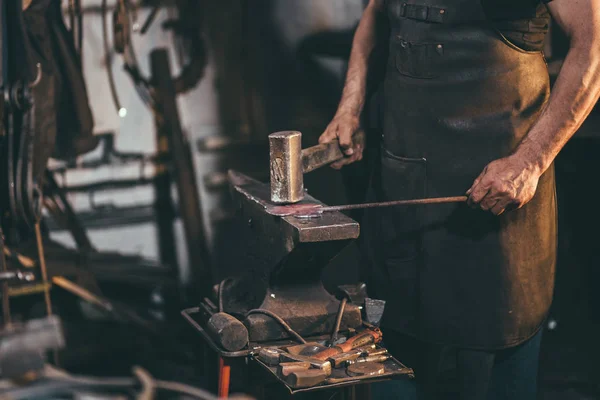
(353, 96)
(578, 86)
(574, 95)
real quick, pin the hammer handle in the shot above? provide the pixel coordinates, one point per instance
(320, 155)
(367, 337)
(323, 154)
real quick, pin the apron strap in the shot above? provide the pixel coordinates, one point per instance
(438, 14)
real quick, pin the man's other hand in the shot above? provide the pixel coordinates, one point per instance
(346, 128)
(505, 184)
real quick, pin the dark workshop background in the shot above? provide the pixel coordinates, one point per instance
(279, 65)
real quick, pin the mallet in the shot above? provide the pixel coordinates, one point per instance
(289, 163)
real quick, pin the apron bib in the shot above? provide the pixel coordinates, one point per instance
(458, 95)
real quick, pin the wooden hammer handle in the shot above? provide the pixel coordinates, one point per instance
(362, 339)
(323, 154)
(320, 155)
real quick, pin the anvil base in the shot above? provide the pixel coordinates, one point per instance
(309, 309)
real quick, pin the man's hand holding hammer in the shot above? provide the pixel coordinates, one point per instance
(345, 126)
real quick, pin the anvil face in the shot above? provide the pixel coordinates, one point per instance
(320, 228)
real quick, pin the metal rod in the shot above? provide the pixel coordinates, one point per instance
(42, 259)
(437, 200)
(338, 321)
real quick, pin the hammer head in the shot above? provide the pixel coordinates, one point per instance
(287, 179)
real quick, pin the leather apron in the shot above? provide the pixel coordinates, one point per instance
(458, 95)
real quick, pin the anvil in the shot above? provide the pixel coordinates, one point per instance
(294, 250)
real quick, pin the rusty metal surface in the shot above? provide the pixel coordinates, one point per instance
(255, 196)
(287, 184)
(291, 253)
(308, 308)
(191, 315)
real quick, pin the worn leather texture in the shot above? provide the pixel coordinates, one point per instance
(456, 97)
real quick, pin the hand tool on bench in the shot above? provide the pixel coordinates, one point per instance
(305, 379)
(343, 295)
(313, 210)
(374, 310)
(306, 349)
(225, 329)
(270, 355)
(375, 358)
(321, 364)
(287, 368)
(369, 336)
(341, 359)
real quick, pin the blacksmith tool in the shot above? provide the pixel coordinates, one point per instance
(288, 255)
(270, 355)
(374, 311)
(365, 338)
(365, 369)
(305, 379)
(314, 362)
(312, 210)
(228, 331)
(377, 358)
(307, 349)
(289, 163)
(225, 329)
(341, 359)
(287, 368)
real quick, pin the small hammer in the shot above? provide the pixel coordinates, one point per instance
(289, 163)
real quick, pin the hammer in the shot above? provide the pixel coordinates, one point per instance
(289, 163)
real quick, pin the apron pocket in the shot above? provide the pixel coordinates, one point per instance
(417, 60)
(401, 179)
